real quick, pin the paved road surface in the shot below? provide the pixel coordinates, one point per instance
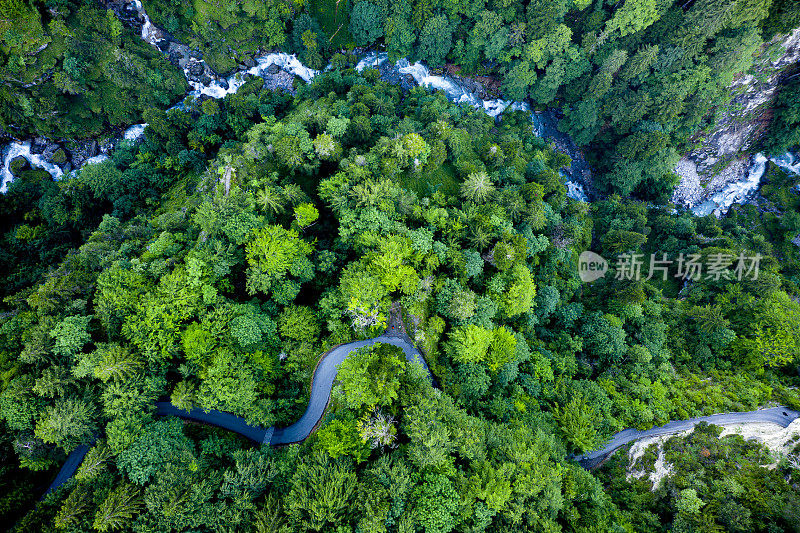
(782, 416)
(215, 418)
(71, 465)
(322, 383)
(321, 386)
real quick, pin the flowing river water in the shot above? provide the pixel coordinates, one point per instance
(220, 87)
(741, 190)
(738, 191)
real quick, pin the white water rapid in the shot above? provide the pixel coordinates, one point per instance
(788, 162)
(741, 190)
(134, 132)
(287, 62)
(150, 33)
(736, 192)
(13, 150)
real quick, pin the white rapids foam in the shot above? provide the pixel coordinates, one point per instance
(287, 62)
(788, 162)
(372, 60)
(735, 192)
(94, 160)
(134, 132)
(576, 191)
(14, 150)
(150, 33)
(741, 190)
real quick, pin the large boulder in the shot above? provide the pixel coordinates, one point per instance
(38, 145)
(195, 68)
(278, 79)
(17, 165)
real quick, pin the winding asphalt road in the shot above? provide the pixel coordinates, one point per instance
(782, 416)
(321, 385)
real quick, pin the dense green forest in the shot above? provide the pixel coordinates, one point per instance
(72, 70)
(718, 484)
(212, 262)
(215, 261)
(635, 81)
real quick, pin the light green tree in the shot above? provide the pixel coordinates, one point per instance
(119, 508)
(273, 253)
(478, 187)
(470, 343)
(341, 437)
(68, 423)
(370, 376)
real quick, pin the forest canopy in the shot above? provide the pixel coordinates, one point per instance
(213, 262)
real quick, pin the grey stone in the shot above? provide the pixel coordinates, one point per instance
(38, 145)
(196, 69)
(92, 148)
(407, 82)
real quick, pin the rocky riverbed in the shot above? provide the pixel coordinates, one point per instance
(713, 176)
(721, 166)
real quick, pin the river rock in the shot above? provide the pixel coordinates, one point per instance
(17, 165)
(163, 45)
(280, 79)
(38, 145)
(195, 69)
(54, 153)
(175, 58)
(388, 72)
(718, 160)
(407, 82)
(273, 69)
(205, 79)
(82, 151)
(249, 62)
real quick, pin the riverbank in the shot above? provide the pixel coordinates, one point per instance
(736, 183)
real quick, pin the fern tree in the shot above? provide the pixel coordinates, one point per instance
(121, 505)
(74, 505)
(94, 462)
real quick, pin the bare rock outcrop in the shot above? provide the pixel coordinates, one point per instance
(722, 155)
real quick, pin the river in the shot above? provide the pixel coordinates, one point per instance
(742, 190)
(220, 87)
(738, 191)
